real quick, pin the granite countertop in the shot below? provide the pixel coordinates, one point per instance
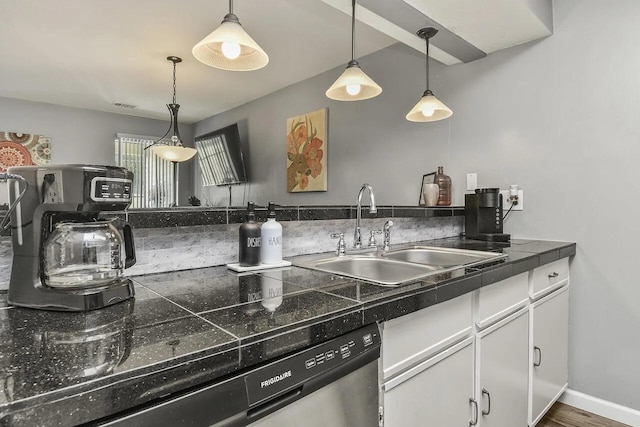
(187, 328)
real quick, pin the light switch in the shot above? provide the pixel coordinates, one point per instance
(472, 181)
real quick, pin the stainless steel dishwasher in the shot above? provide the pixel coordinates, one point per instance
(330, 384)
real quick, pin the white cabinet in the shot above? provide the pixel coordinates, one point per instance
(410, 339)
(502, 372)
(469, 361)
(437, 392)
(549, 338)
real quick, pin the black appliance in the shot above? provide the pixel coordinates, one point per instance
(65, 256)
(483, 215)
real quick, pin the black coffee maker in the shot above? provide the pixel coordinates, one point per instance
(66, 256)
(483, 215)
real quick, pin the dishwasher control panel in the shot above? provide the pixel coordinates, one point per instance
(291, 372)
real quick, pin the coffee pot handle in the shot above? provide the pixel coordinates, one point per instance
(129, 246)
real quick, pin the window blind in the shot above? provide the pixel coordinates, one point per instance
(153, 179)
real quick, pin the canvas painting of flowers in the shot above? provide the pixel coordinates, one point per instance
(307, 152)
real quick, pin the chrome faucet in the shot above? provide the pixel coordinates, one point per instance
(357, 238)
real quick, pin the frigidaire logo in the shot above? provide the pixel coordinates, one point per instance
(273, 380)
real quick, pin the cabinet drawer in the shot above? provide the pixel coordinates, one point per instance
(502, 298)
(548, 277)
(410, 339)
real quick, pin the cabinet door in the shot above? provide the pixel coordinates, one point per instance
(435, 393)
(550, 371)
(503, 372)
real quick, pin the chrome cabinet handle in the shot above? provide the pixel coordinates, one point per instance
(474, 421)
(539, 362)
(553, 275)
(488, 411)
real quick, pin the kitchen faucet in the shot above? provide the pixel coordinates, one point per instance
(357, 238)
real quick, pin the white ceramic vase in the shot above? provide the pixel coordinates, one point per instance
(430, 193)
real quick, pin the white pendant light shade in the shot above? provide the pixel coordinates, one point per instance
(174, 153)
(429, 109)
(229, 47)
(353, 85)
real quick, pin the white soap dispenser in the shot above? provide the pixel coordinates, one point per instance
(271, 238)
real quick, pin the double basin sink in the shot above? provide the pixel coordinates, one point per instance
(395, 267)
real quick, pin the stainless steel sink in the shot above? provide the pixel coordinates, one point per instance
(442, 257)
(379, 270)
(399, 266)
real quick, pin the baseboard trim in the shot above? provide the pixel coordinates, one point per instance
(604, 408)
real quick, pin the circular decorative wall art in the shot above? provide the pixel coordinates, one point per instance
(13, 154)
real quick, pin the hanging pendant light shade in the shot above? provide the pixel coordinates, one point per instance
(354, 84)
(229, 47)
(429, 108)
(174, 151)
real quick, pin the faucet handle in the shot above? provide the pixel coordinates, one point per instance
(342, 247)
(372, 238)
(387, 235)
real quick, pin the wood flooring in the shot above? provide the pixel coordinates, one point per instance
(561, 415)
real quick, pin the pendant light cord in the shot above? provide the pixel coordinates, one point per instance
(353, 30)
(231, 6)
(427, 60)
(174, 83)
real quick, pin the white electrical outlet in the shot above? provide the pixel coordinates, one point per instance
(507, 203)
(472, 181)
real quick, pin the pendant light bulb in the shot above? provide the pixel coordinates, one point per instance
(353, 84)
(231, 50)
(429, 108)
(353, 89)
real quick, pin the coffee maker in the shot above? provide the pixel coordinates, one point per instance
(66, 257)
(483, 215)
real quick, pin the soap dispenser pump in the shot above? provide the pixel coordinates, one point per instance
(271, 238)
(250, 239)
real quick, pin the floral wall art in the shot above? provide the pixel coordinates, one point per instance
(307, 152)
(23, 149)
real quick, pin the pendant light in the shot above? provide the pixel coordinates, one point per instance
(174, 151)
(429, 108)
(229, 47)
(353, 84)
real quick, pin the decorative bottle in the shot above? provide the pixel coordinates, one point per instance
(444, 182)
(250, 239)
(271, 238)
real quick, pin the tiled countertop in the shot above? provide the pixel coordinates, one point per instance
(190, 327)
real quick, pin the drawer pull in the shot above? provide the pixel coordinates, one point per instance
(539, 362)
(488, 411)
(553, 275)
(474, 421)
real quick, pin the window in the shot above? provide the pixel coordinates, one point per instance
(152, 176)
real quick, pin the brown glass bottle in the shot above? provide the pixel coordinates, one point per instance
(444, 182)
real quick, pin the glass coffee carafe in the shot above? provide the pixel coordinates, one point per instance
(88, 254)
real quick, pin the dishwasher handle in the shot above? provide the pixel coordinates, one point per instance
(274, 404)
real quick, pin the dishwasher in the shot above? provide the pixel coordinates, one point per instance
(334, 383)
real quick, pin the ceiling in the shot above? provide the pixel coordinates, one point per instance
(95, 53)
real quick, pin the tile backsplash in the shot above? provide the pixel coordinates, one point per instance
(182, 248)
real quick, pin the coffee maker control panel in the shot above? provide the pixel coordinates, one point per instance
(105, 189)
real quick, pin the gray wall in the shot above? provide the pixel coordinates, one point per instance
(85, 136)
(557, 116)
(369, 141)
